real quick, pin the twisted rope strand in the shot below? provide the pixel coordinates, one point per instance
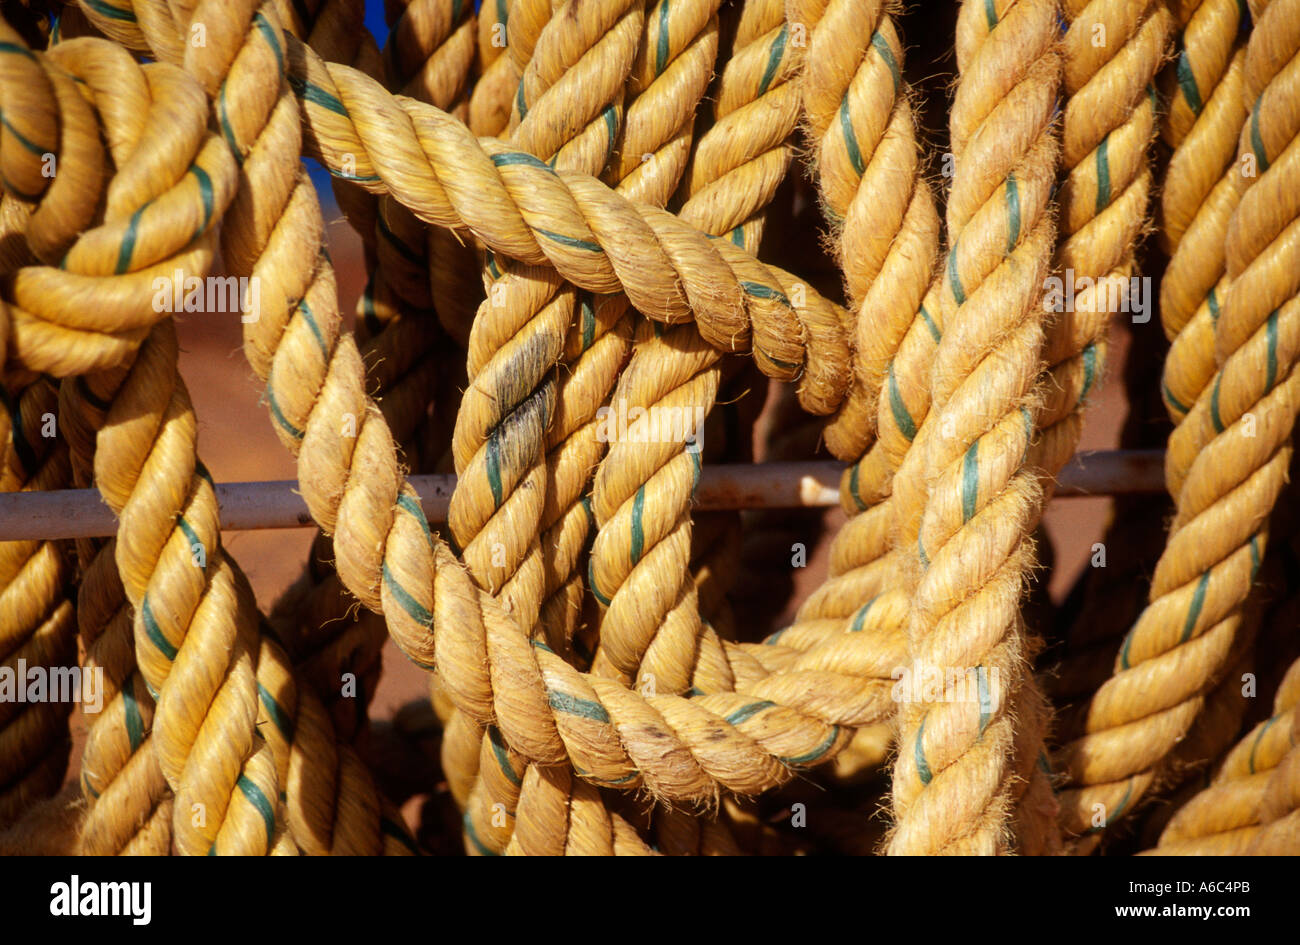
(862, 128)
(1206, 112)
(1111, 52)
(666, 268)
(800, 738)
(37, 616)
(951, 780)
(683, 38)
(1225, 817)
(514, 344)
(1180, 644)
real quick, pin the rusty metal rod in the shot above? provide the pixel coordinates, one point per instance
(81, 513)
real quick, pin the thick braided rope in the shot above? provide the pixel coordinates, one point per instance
(1104, 602)
(655, 161)
(736, 167)
(405, 352)
(256, 791)
(37, 616)
(1279, 808)
(137, 814)
(522, 209)
(952, 778)
(1212, 735)
(862, 128)
(180, 181)
(1242, 424)
(306, 323)
(429, 53)
(1280, 836)
(516, 339)
(1225, 817)
(107, 72)
(1206, 112)
(1194, 762)
(128, 802)
(516, 808)
(1111, 52)
(336, 30)
(651, 631)
(670, 73)
(884, 491)
(810, 726)
(1261, 657)
(34, 125)
(442, 63)
(195, 645)
(519, 333)
(537, 314)
(497, 78)
(1198, 208)
(575, 70)
(884, 225)
(331, 803)
(664, 152)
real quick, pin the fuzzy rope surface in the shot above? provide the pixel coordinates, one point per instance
(952, 778)
(1242, 425)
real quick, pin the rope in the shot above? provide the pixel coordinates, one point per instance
(498, 79)
(1109, 122)
(405, 352)
(951, 780)
(1279, 809)
(515, 341)
(815, 732)
(575, 620)
(38, 626)
(409, 628)
(1226, 817)
(1108, 126)
(595, 349)
(667, 269)
(1179, 645)
(651, 632)
(118, 763)
(1205, 114)
(862, 128)
(182, 622)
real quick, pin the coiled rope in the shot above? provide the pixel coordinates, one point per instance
(952, 778)
(592, 696)
(1225, 480)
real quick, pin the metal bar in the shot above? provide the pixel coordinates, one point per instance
(81, 513)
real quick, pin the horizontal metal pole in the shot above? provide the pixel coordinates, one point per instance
(81, 513)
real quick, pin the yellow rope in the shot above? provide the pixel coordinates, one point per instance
(1239, 432)
(952, 780)
(37, 617)
(591, 694)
